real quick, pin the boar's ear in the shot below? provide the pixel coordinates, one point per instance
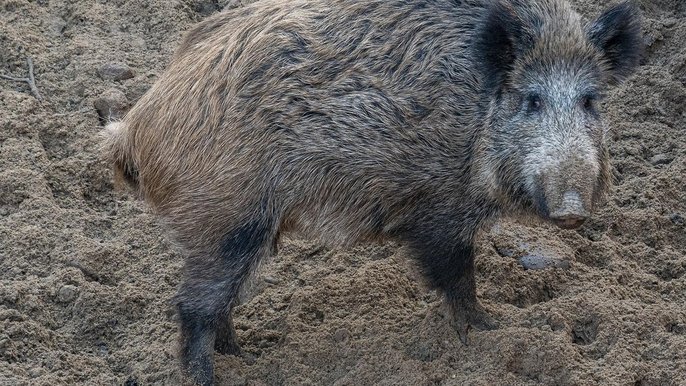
(617, 33)
(500, 37)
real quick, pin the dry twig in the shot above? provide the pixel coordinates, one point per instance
(31, 81)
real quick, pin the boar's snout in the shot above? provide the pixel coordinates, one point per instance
(570, 214)
(564, 194)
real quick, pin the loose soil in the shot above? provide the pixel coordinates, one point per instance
(86, 273)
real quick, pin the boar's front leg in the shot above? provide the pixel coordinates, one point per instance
(448, 263)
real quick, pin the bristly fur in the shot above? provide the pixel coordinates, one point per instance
(349, 121)
(116, 147)
(617, 33)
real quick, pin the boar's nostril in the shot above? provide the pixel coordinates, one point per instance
(571, 213)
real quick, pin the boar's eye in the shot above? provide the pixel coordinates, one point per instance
(588, 102)
(534, 103)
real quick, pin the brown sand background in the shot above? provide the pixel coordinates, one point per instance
(86, 274)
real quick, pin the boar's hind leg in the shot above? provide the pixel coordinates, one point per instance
(210, 286)
(449, 266)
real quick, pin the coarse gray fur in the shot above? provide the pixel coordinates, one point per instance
(350, 121)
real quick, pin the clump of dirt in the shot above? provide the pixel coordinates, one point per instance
(86, 274)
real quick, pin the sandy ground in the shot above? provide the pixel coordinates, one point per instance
(86, 274)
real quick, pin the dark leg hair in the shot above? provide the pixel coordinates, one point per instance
(448, 264)
(209, 289)
(225, 341)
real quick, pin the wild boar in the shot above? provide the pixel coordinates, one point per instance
(348, 121)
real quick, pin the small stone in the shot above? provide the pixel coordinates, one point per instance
(264, 344)
(542, 262)
(676, 328)
(67, 293)
(661, 159)
(231, 4)
(271, 280)
(103, 350)
(56, 25)
(677, 219)
(79, 89)
(115, 71)
(131, 381)
(557, 322)
(35, 372)
(4, 343)
(9, 295)
(205, 7)
(504, 251)
(11, 315)
(111, 105)
(669, 22)
(341, 335)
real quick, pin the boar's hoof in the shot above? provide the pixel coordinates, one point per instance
(473, 317)
(225, 347)
(225, 341)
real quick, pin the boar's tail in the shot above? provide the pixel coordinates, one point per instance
(117, 148)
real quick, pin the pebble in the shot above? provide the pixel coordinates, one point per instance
(103, 350)
(115, 71)
(67, 293)
(206, 7)
(131, 381)
(661, 159)
(56, 25)
(111, 105)
(35, 372)
(341, 335)
(231, 4)
(11, 315)
(677, 219)
(542, 262)
(504, 251)
(9, 295)
(669, 22)
(79, 89)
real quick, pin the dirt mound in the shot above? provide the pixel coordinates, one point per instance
(86, 274)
